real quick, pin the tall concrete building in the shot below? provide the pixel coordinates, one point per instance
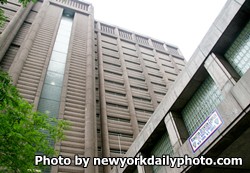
(206, 111)
(105, 80)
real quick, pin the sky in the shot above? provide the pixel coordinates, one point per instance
(182, 23)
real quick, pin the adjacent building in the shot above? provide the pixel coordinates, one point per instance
(206, 111)
(105, 80)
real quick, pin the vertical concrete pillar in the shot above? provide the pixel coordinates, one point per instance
(221, 72)
(103, 110)
(172, 60)
(161, 68)
(176, 130)
(147, 78)
(133, 37)
(133, 118)
(17, 65)
(114, 170)
(174, 64)
(46, 64)
(12, 28)
(140, 168)
(90, 113)
(146, 168)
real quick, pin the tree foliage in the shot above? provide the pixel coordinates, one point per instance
(3, 18)
(23, 132)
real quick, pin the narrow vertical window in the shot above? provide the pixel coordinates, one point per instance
(162, 147)
(49, 102)
(51, 92)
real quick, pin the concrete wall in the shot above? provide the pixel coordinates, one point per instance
(208, 59)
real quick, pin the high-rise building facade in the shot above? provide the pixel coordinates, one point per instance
(205, 113)
(134, 74)
(105, 80)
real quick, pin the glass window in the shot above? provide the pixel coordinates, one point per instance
(49, 102)
(56, 67)
(51, 92)
(163, 147)
(62, 39)
(49, 107)
(238, 55)
(203, 102)
(53, 78)
(66, 23)
(58, 57)
(64, 32)
(61, 47)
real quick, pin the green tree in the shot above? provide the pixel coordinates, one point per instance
(2, 18)
(23, 132)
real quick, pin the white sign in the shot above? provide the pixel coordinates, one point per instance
(207, 128)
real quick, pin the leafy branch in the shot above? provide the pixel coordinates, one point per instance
(23, 132)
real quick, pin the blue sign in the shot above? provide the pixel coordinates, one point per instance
(207, 128)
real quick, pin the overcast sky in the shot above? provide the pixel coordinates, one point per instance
(179, 22)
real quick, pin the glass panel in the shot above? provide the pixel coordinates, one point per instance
(66, 23)
(61, 47)
(49, 107)
(49, 102)
(203, 102)
(163, 146)
(56, 67)
(58, 57)
(53, 78)
(62, 39)
(64, 32)
(238, 55)
(51, 92)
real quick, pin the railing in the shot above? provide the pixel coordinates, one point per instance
(158, 45)
(107, 29)
(139, 39)
(125, 34)
(142, 40)
(173, 50)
